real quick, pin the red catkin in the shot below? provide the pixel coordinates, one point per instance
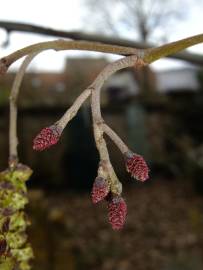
(117, 212)
(100, 189)
(137, 167)
(46, 138)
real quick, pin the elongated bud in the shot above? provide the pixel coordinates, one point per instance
(47, 137)
(100, 189)
(117, 212)
(136, 166)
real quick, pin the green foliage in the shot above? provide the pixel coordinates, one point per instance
(15, 251)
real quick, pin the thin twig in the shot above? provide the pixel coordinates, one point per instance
(154, 54)
(61, 44)
(13, 138)
(115, 138)
(115, 185)
(98, 122)
(72, 111)
(106, 73)
(103, 76)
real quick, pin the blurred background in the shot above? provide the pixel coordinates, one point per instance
(157, 111)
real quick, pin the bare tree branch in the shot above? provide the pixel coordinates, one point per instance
(29, 28)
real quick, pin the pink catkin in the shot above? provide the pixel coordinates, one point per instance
(137, 167)
(117, 212)
(100, 189)
(46, 138)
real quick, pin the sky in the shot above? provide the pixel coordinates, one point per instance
(69, 15)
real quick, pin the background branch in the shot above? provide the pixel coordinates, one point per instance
(29, 28)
